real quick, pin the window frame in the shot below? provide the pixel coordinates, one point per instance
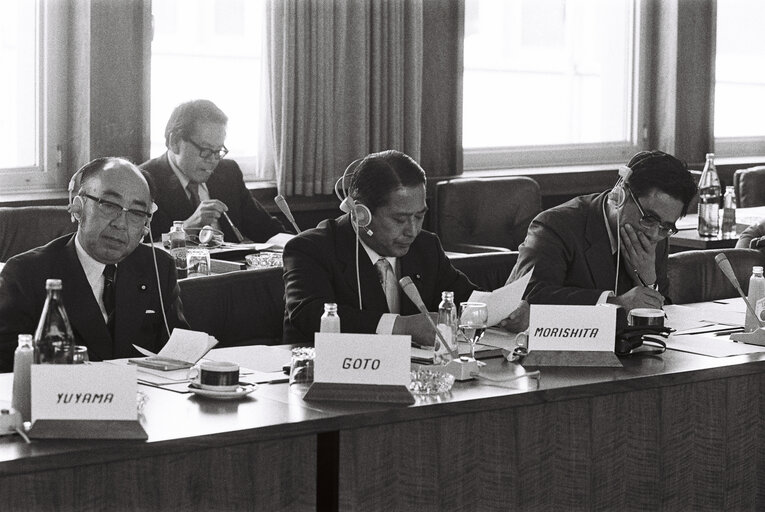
(51, 106)
(559, 155)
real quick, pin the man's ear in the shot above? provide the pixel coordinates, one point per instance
(175, 143)
(75, 209)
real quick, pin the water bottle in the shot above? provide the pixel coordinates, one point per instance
(22, 382)
(756, 298)
(178, 247)
(729, 213)
(447, 326)
(54, 341)
(709, 199)
(330, 320)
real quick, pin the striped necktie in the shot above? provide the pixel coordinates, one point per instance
(110, 296)
(193, 189)
(389, 284)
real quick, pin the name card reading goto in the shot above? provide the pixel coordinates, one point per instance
(577, 328)
(362, 359)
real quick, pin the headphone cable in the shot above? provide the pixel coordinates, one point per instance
(159, 286)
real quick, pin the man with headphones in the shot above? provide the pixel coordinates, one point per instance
(613, 246)
(113, 292)
(357, 259)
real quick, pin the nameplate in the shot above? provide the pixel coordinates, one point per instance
(96, 391)
(362, 359)
(572, 328)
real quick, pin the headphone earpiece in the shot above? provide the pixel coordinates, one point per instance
(361, 216)
(618, 196)
(75, 208)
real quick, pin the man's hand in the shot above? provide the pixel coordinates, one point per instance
(638, 297)
(639, 253)
(418, 327)
(518, 320)
(208, 211)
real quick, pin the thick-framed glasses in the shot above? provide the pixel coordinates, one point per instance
(207, 152)
(650, 221)
(111, 210)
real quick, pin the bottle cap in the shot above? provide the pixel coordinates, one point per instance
(447, 295)
(756, 269)
(25, 339)
(53, 284)
(330, 307)
(710, 155)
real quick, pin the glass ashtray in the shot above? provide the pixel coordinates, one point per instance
(425, 381)
(264, 260)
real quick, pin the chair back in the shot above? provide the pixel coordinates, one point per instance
(749, 185)
(26, 227)
(238, 308)
(488, 270)
(695, 277)
(486, 211)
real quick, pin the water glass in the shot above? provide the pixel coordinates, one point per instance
(198, 261)
(80, 355)
(301, 368)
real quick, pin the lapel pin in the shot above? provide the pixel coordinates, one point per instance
(142, 287)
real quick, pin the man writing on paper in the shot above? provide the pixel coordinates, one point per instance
(576, 248)
(193, 182)
(385, 205)
(111, 289)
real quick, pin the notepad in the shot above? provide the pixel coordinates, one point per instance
(502, 301)
(184, 345)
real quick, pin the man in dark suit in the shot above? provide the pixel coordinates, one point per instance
(575, 248)
(110, 289)
(385, 205)
(194, 184)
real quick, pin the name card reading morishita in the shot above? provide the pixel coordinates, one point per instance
(96, 391)
(362, 359)
(587, 328)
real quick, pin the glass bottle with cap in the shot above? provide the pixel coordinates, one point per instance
(709, 199)
(756, 298)
(447, 326)
(330, 320)
(178, 247)
(54, 341)
(729, 213)
(22, 369)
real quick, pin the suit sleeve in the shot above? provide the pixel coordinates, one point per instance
(256, 223)
(19, 312)
(546, 251)
(309, 282)
(751, 234)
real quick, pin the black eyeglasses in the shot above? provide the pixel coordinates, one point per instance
(111, 210)
(207, 152)
(650, 221)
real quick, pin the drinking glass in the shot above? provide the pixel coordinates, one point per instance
(472, 322)
(198, 261)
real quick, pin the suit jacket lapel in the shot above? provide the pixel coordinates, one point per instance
(134, 290)
(600, 261)
(372, 294)
(172, 192)
(82, 309)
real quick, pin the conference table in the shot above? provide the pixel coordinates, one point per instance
(688, 238)
(675, 431)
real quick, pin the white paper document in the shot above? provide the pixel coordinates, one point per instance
(275, 243)
(710, 345)
(261, 358)
(184, 345)
(502, 301)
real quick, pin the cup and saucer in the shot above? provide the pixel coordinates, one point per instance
(218, 380)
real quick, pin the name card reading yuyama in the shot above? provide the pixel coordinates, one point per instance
(572, 328)
(362, 359)
(96, 391)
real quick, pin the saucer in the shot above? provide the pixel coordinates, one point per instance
(224, 395)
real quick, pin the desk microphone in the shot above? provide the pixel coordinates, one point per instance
(722, 262)
(284, 207)
(414, 295)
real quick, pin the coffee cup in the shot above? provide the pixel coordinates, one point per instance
(641, 317)
(215, 375)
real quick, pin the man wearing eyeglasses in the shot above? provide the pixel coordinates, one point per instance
(110, 289)
(195, 184)
(576, 248)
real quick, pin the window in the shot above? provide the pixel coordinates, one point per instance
(209, 49)
(34, 115)
(739, 111)
(550, 82)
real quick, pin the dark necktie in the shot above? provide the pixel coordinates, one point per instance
(193, 189)
(110, 296)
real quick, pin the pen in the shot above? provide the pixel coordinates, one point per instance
(237, 233)
(643, 283)
(729, 331)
